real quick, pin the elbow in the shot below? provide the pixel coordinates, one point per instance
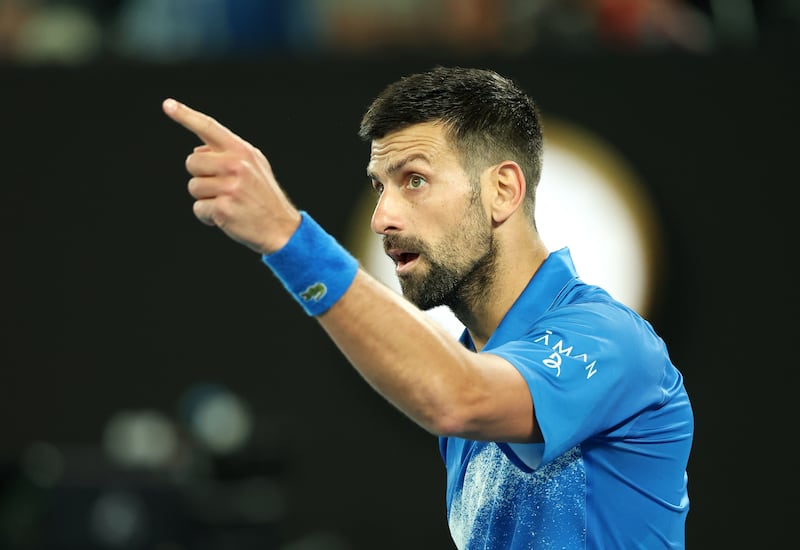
(455, 405)
(452, 416)
(446, 423)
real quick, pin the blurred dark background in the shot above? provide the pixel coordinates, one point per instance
(160, 391)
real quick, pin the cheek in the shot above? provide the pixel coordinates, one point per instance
(448, 209)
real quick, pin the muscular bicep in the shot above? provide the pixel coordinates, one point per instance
(499, 407)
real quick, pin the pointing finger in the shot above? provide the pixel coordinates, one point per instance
(203, 126)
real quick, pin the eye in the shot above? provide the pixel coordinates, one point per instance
(415, 181)
(377, 187)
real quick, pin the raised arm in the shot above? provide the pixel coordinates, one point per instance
(403, 354)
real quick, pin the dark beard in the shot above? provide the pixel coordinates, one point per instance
(448, 282)
(459, 290)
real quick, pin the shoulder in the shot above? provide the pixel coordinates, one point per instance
(589, 308)
(587, 326)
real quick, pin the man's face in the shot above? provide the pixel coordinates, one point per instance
(430, 214)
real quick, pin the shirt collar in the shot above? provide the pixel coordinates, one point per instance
(544, 288)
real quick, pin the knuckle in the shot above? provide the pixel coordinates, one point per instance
(235, 166)
(208, 122)
(199, 210)
(222, 210)
(233, 187)
(223, 186)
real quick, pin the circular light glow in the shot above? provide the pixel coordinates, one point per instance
(217, 418)
(118, 519)
(143, 438)
(588, 200)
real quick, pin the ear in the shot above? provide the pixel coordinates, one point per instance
(508, 190)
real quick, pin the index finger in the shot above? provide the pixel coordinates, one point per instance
(203, 126)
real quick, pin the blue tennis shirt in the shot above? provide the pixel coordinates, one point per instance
(617, 426)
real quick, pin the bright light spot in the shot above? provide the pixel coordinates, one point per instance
(217, 417)
(140, 439)
(589, 202)
(118, 519)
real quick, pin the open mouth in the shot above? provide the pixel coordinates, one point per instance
(402, 258)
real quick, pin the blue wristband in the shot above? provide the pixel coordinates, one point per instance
(313, 267)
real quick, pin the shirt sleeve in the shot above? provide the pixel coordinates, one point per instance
(590, 370)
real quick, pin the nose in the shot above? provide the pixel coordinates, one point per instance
(386, 217)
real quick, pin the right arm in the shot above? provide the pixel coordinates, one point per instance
(399, 350)
(426, 373)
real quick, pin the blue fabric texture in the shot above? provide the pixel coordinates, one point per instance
(313, 266)
(617, 426)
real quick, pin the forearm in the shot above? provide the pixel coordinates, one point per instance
(402, 353)
(412, 361)
(399, 350)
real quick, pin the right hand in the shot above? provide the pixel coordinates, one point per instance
(233, 184)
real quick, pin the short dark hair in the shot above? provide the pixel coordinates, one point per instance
(489, 118)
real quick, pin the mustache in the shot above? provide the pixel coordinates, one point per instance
(403, 243)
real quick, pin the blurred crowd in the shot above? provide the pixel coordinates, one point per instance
(77, 31)
(199, 446)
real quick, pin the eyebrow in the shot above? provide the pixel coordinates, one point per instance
(397, 166)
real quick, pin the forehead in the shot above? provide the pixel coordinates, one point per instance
(427, 141)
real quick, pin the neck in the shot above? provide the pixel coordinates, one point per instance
(490, 293)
